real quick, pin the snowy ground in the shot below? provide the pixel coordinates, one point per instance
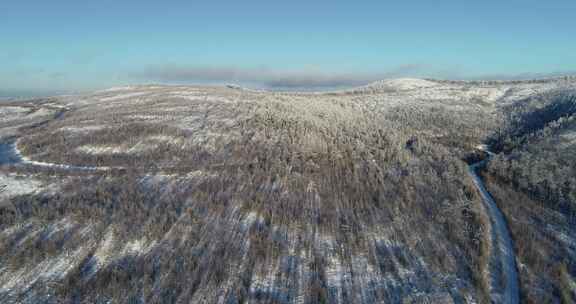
(12, 184)
(146, 144)
(187, 108)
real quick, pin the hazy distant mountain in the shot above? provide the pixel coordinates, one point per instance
(19, 94)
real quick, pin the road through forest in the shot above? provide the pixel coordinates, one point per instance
(503, 272)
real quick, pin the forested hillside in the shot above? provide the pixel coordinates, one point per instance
(534, 180)
(178, 194)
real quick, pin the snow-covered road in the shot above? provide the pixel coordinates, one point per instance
(504, 275)
(10, 154)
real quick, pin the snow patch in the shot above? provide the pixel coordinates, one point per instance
(137, 247)
(409, 83)
(144, 145)
(123, 96)
(82, 129)
(122, 88)
(103, 254)
(93, 149)
(251, 218)
(51, 269)
(9, 112)
(12, 185)
(569, 138)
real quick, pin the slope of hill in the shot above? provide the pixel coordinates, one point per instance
(225, 195)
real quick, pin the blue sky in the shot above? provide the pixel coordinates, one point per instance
(81, 45)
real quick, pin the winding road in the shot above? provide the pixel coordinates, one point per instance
(504, 274)
(10, 154)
